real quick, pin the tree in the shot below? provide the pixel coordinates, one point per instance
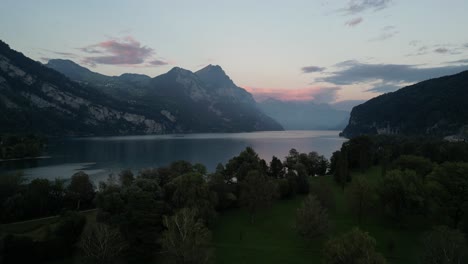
(402, 193)
(420, 165)
(69, 227)
(238, 167)
(322, 190)
(224, 191)
(353, 247)
(312, 218)
(449, 187)
(81, 189)
(361, 196)
(137, 211)
(443, 245)
(186, 239)
(126, 177)
(191, 190)
(257, 191)
(302, 179)
(102, 244)
(342, 175)
(292, 159)
(141, 218)
(276, 168)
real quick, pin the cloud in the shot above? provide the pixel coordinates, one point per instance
(444, 50)
(463, 61)
(126, 51)
(60, 53)
(316, 94)
(354, 22)
(384, 88)
(441, 50)
(359, 6)
(158, 62)
(355, 72)
(310, 69)
(465, 45)
(387, 32)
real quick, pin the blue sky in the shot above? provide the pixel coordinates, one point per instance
(295, 50)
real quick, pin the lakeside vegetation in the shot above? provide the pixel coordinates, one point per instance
(388, 199)
(19, 147)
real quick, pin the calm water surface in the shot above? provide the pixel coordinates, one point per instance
(100, 156)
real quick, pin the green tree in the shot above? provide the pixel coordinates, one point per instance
(443, 245)
(312, 218)
(126, 177)
(276, 168)
(420, 165)
(141, 222)
(81, 189)
(238, 167)
(361, 197)
(322, 190)
(192, 191)
(137, 211)
(257, 191)
(292, 159)
(342, 174)
(402, 193)
(186, 239)
(353, 247)
(10, 184)
(225, 192)
(449, 187)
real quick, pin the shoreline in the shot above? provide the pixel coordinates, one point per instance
(26, 158)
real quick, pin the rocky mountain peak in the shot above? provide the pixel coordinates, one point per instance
(214, 75)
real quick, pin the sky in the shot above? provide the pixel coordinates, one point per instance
(319, 50)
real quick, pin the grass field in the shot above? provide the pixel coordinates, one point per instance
(37, 228)
(273, 239)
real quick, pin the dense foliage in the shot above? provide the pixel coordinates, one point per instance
(17, 147)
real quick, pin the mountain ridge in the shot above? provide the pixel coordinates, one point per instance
(89, 103)
(434, 107)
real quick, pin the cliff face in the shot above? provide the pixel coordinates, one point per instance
(435, 107)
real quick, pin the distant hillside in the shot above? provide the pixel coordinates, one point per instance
(38, 99)
(435, 107)
(305, 115)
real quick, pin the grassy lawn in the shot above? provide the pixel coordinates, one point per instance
(37, 229)
(272, 238)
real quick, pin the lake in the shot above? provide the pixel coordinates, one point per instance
(101, 156)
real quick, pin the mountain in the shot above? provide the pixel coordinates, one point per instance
(117, 86)
(296, 115)
(435, 107)
(204, 101)
(37, 99)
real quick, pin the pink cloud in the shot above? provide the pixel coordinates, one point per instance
(318, 94)
(125, 51)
